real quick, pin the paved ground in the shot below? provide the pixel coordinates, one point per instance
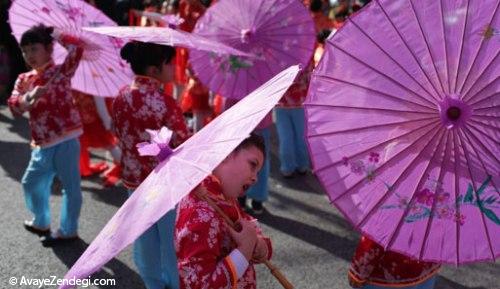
(313, 243)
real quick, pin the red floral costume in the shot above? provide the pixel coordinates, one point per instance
(372, 265)
(139, 107)
(203, 243)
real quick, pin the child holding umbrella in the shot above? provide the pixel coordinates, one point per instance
(139, 107)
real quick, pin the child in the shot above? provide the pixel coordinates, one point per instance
(374, 268)
(211, 254)
(138, 107)
(290, 125)
(55, 124)
(259, 192)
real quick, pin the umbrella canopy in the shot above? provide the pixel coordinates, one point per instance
(279, 33)
(180, 173)
(403, 117)
(101, 71)
(167, 36)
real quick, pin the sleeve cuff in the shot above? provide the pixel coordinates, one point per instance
(239, 261)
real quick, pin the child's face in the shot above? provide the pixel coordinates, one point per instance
(36, 55)
(239, 171)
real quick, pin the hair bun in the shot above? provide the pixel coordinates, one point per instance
(127, 51)
(49, 30)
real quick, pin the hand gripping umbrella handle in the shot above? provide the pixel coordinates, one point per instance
(274, 270)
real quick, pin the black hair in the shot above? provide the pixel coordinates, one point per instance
(253, 140)
(140, 55)
(323, 35)
(206, 3)
(37, 34)
(315, 5)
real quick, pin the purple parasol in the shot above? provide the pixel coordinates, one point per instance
(101, 71)
(167, 36)
(182, 170)
(279, 33)
(403, 117)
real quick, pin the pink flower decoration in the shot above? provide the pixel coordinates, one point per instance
(158, 146)
(374, 157)
(460, 219)
(425, 196)
(358, 167)
(345, 161)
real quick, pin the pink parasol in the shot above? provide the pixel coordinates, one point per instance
(403, 117)
(166, 36)
(279, 33)
(182, 170)
(101, 71)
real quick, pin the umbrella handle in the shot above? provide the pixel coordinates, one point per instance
(274, 270)
(278, 275)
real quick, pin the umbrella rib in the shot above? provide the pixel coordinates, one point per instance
(487, 117)
(466, 154)
(391, 58)
(434, 202)
(489, 107)
(264, 20)
(465, 94)
(370, 127)
(488, 137)
(259, 10)
(486, 86)
(107, 61)
(386, 195)
(111, 79)
(280, 43)
(445, 47)
(297, 22)
(56, 20)
(97, 65)
(427, 45)
(456, 154)
(392, 238)
(477, 53)
(461, 46)
(328, 78)
(483, 99)
(367, 108)
(381, 73)
(486, 150)
(367, 150)
(236, 76)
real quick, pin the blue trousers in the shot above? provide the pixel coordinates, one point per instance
(428, 284)
(154, 254)
(259, 191)
(290, 124)
(62, 160)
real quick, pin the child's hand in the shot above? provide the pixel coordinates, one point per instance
(32, 96)
(245, 238)
(260, 251)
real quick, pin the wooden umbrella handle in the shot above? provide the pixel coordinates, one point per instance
(278, 275)
(274, 270)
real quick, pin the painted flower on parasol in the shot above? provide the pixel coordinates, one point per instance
(403, 117)
(279, 33)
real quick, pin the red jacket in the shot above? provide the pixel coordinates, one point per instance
(54, 117)
(203, 242)
(139, 107)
